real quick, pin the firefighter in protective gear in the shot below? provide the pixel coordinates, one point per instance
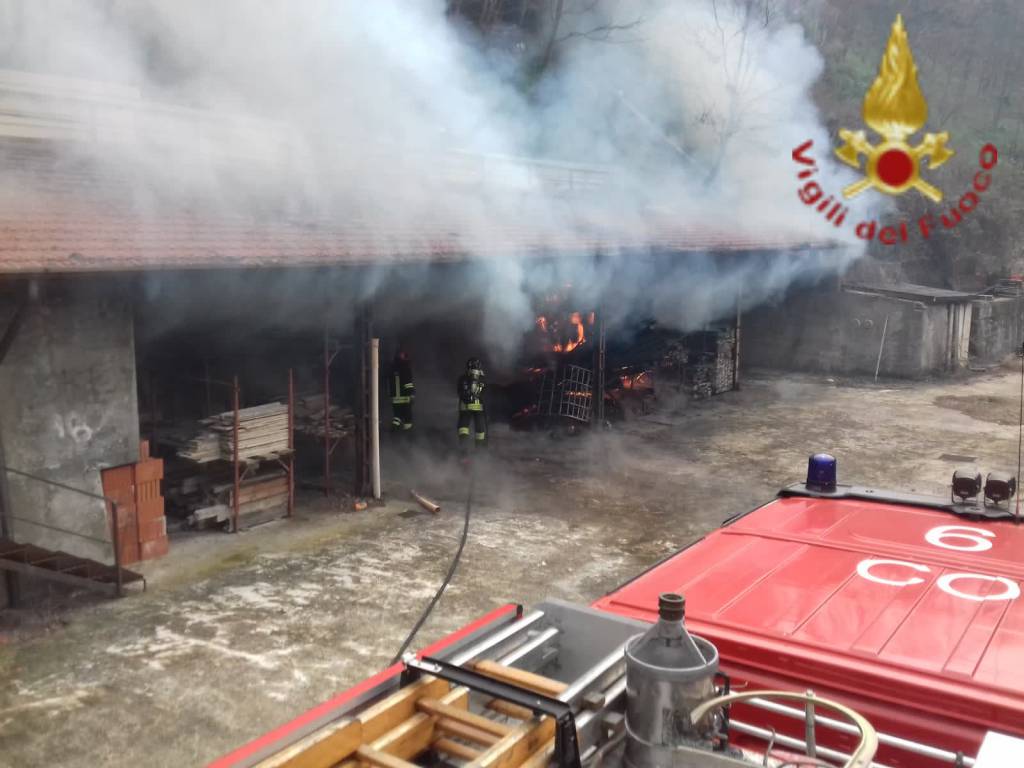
(471, 404)
(403, 392)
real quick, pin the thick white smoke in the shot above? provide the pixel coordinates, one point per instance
(392, 117)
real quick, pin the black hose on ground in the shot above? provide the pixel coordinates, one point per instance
(451, 570)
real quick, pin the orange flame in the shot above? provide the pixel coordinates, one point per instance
(580, 335)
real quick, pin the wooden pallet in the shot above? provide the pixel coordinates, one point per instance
(430, 715)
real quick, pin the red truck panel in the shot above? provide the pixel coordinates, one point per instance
(804, 592)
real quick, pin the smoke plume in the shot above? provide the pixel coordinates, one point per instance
(398, 119)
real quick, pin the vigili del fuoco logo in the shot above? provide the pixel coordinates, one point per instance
(895, 109)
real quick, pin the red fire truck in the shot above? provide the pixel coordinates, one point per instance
(833, 626)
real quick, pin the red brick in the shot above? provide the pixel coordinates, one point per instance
(126, 516)
(129, 550)
(151, 469)
(150, 530)
(151, 509)
(143, 449)
(117, 478)
(151, 550)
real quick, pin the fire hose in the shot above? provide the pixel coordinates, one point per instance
(451, 570)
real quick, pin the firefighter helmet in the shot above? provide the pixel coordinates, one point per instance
(475, 368)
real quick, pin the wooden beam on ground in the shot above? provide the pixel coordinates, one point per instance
(520, 677)
(321, 749)
(433, 707)
(515, 748)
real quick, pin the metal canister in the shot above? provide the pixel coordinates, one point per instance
(668, 673)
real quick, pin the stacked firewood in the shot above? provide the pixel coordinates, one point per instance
(309, 418)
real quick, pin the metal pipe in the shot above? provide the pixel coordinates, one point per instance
(115, 538)
(235, 503)
(375, 415)
(577, 686)
(117, 549)
(883, 738)
(327, 416)
(489, 642)
(861, 757)
(528, 647)
(810, 737)
(56, 484)
(881, 346)
(291, 442)
(736, 340)
(789, 741)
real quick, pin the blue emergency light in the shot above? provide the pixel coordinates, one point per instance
(821, 472)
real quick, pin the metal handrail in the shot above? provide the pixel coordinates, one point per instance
(862, 755)
(116, 535)
(895, 742)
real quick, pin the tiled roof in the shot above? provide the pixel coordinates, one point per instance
(61, 217)
(66, 240)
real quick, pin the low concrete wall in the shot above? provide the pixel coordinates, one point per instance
(69, 409)
(996, 328)
(840, 331)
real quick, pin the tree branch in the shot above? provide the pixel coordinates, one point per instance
(603, 32)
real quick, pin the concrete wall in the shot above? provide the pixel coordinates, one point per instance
(69, 409)
(841, 332)
(996, 328)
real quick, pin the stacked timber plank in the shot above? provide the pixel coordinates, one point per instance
(262, 433)
(201, 448)
(260, 499)
(309, 418)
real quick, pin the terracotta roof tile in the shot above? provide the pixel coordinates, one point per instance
(66, 229)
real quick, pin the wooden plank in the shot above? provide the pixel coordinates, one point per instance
(321, 749)
(508, 709)
(382, 759)
(262, 492)
(389, 719)
(408, 738)
(400, 705)
(524, 741)
(541, 757)
(520, 677)
(457, 697)
(270, 502)
(467, 732)
(434, 707)
(455, 749)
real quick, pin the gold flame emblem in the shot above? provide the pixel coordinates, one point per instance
(895, 108)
